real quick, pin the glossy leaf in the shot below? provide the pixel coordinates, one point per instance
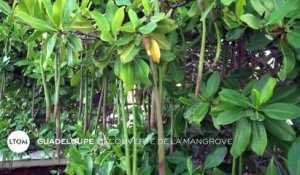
(58, 9)
(51, 42)
(259, 138)
(293, 37)
(293, 159)
(241, 137)
(280, 129)
(133, 18)
(252, 21)
(215, 158)
(117, 21)
(213, 84)
(141, 71)
(282, 111)
(271, 169)
(4, 7)
(235, 98)
(101, 21)
(127, 76)
(230, 116)
(36, 23)
(148, 28)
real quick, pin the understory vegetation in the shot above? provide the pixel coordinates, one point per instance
(187, 87)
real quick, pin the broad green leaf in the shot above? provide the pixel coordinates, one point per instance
(241, 138)
(200, 112)
(215, 158)
(167, 56)
(259, 138)
(235, 98)
(117, 21)
(68, 9)
(213, 84)
(265, 87)
(282, 111)
(133, 18)
(257, 41)
(293, 37)
(27, 6)
(293, 159)
(88, 165)
(252, 21)
(239, 7)
(289, 60)
(280, 129)
(75, 155)
(101, 21)
(177, 157)
(110, 11)
(258, 6)
(271, 169)
(36, 23)
(235, 34)
(166, 26)
(141, 71)
(106, 36)
(124, 40)
(162, 41)
(230, 116)
(75, 42)
(48, 7)
(51, 42)
(227, 2)
(194, 10)
(122, 2)
(189, 165)
(146, 5)
(129, 52)
(277, 15)
(58, 9)
(288, 94)
(75, 79)
(148, 28)
(128, 27)
(4, 7)
(127, 76)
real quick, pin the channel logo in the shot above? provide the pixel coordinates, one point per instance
(18, 141)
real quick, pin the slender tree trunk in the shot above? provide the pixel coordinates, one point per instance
(104, 104)
(56, 104)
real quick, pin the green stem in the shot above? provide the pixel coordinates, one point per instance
(85, 118)
(124, 121)
(219, 48)
(104, 103)
(91, 98)
(134, 162)
(99, 110)
(241, 164)
(233, 166)
(46, 91)
(33, 99)
(201, 59)
(80, 91)
(172, 128)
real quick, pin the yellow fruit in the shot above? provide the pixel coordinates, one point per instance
(155, 51)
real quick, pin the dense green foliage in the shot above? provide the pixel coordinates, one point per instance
(154, 70)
